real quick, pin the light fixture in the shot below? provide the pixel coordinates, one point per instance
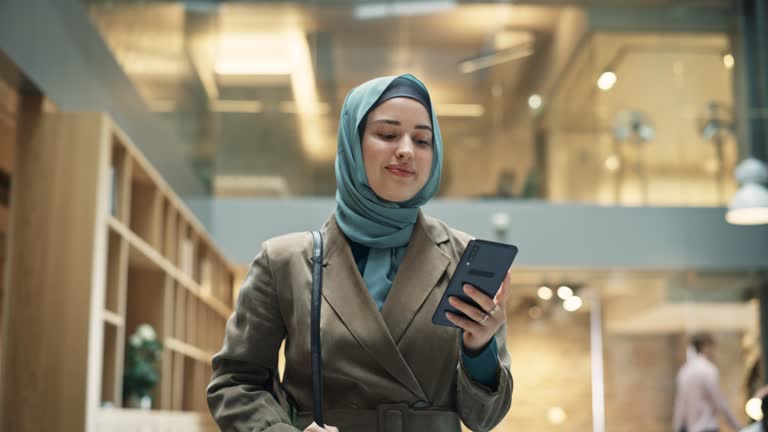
(749, 205)
(402, 8)
(754, 409)
(572, 303)
(728, 61)
(290, 107)
(535, 102)
(236, 106)
(544, 292)
(556, 415)
(254, 53)
(612, 163)
(522, 50)
(564, 292)
(607, 80)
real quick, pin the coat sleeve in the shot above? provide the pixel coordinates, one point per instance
(481, 408)
(241, 395)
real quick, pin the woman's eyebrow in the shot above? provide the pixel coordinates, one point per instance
(397, 123)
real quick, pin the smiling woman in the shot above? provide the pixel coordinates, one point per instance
(398, 148)
(387, 367)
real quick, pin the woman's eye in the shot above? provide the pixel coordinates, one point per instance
(424, 142)
(387, 136)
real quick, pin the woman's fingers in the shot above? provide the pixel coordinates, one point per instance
(466, 309)
(464, 323)
(482, 300)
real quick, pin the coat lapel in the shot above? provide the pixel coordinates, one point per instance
(345, 292)
(422, 267)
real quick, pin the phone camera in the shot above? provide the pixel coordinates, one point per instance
(472, 254)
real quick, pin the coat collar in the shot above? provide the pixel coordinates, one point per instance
(344, 289)
(335, 239)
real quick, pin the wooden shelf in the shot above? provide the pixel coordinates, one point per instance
(113, 318)
(136, 420)
(112, 362)
(188, 350)
(122, 250)
(147, 257)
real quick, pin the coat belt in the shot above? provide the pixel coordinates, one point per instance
(388, 418)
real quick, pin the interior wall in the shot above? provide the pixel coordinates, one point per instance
(551, 369)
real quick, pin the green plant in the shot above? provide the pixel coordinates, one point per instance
(141, 358)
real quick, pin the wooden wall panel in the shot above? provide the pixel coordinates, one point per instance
(59, 178)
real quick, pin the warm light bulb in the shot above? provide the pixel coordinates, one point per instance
(572, 304)
(607, 80)
(556, 415)
(544, 292)
(753, 409)
(612, 163)
(564, 292)
(728, 61)
(535, 102)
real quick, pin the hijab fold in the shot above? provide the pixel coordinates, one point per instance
(383, 226)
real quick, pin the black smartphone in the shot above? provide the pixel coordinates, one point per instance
(483, 265)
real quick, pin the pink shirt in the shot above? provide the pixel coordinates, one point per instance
(698, 400)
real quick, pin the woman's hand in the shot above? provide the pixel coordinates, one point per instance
(480, 324)
(315, 428)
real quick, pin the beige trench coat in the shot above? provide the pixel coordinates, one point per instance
(370, 359)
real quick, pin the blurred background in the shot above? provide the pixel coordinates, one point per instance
(600, 137)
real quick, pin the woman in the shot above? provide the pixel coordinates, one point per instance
(386, 367)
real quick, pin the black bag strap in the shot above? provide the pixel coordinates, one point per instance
(317, 361)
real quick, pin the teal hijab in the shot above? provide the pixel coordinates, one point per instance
(383, 226)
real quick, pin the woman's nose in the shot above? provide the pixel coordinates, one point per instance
(405, 148)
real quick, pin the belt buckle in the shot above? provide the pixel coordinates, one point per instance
(393, 417)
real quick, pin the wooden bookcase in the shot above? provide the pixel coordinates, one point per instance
(9, 118)
(100, 244)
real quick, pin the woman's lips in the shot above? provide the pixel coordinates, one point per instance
(400, 171)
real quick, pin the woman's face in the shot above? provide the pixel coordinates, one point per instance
(397, 149)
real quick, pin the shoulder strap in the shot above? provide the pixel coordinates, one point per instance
(317, 362)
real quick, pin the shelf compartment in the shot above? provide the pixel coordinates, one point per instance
(146, 208)
(192, 320)
(117, 266)
(196, 381)
(180, 313)
(147, 299)
(120, 182)
(112, 362)
(191, 373)
(170, 231)
(142, 255)
(225, 284)
(187, 245)
(204, 270)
